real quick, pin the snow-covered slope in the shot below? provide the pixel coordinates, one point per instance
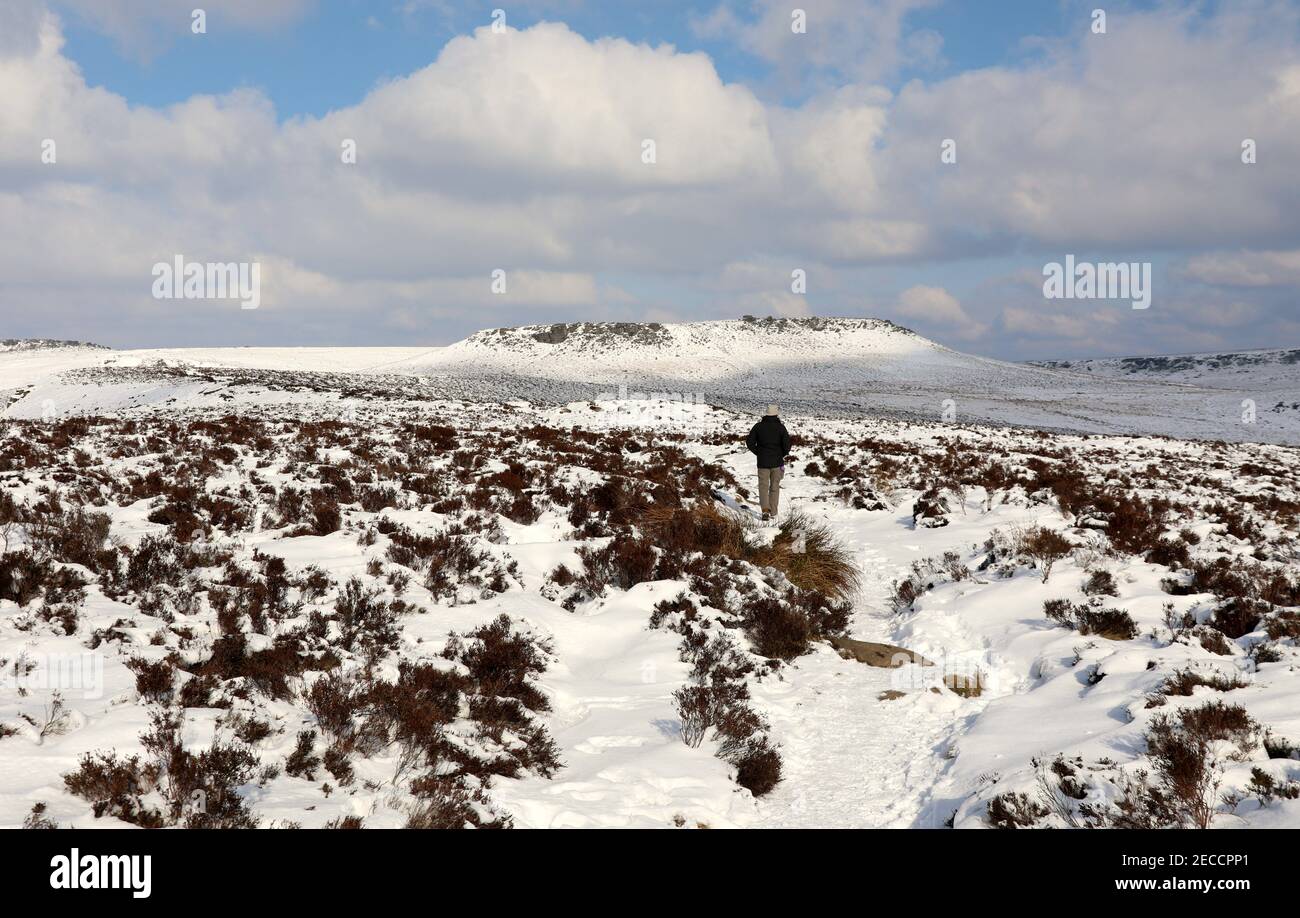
(855, 366)
(845, 367)
(44, 382)
(1262, 369)
(21, 366)
(696, 351)
(816, 353)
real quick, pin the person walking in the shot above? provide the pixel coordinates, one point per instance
(769, 441)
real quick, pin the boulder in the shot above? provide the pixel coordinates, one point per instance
(874, 653)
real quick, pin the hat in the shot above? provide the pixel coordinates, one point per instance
(773, 411)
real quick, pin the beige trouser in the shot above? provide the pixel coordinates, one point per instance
(769, 489)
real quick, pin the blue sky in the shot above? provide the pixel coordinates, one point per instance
(817, 153)
(342, 48)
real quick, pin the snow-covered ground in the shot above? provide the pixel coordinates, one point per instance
(26, 367)
(1267, 368)
(256, 463)
(829, 367)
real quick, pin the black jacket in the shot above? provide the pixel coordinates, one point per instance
(770, 442)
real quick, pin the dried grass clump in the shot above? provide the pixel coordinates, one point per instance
(812, 558)
(703, 528)
(806, 552)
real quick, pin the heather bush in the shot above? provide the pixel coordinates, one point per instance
(201, 789)
(622, 564)
(930, 510)
(1015, 810)
(153, 679)
(445, 802)
(1186, 771)
(366, 623)
(1100, 583)
(1239, 616)
(1184, 682)
(268, 670)
(1092, 618)
(758, 766)
(1045, 547)
(303, 762)
(502, 662)
(809, 554)
(1265, 788)
(777, 630)
(335, 699)
(702, 707)
(23, 576)
(114, 786)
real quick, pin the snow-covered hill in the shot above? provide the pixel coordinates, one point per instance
(807, 357)
(853, 366)
(841, 367)
(693, 351)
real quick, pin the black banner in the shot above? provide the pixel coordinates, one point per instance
(894, 867)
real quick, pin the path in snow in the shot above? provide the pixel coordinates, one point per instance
(849, 758)
(852, 760)
(610, 689)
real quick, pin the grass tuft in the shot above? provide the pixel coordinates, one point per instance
(806, 552)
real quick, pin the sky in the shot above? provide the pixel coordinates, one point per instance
(924, 161)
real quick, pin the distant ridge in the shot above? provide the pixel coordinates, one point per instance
(1267, 369)
(1177, 363)
(41, 344)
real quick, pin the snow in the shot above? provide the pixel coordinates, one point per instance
(861, 746)
(626, 766)
(846, 367)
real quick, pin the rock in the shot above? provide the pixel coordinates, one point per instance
(873, 653)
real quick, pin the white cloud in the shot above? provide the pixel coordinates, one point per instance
(20, 26)
(845, 40)
(522, 151)
(1231, 315)
(287, 283)
(1247, 269)
(939, 311)
(773, 303)
(1041, 323)
(1096, 146)
(564, 111)
(828, 147)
